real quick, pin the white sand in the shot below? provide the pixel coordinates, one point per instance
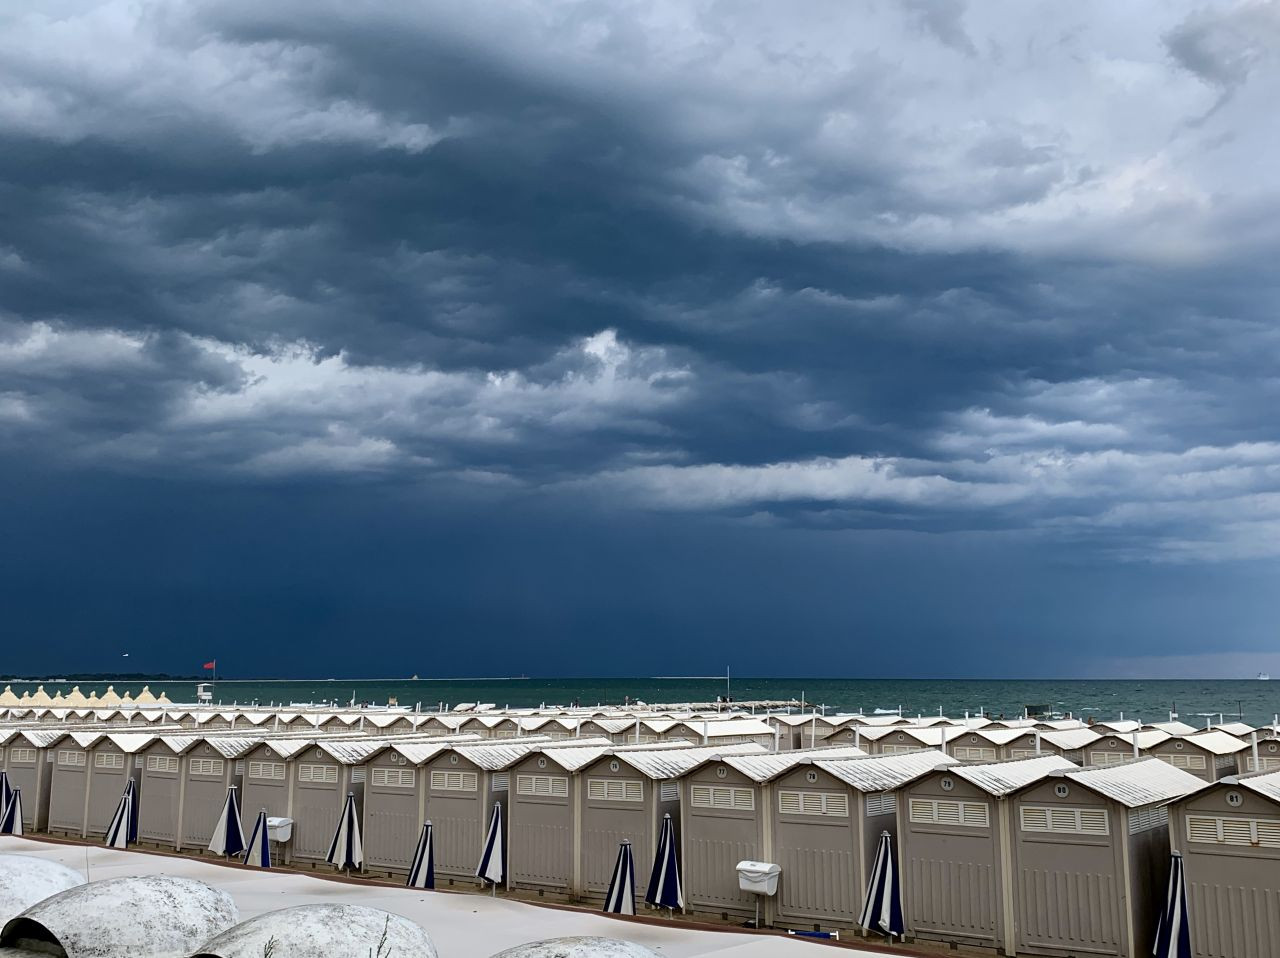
(462, 925)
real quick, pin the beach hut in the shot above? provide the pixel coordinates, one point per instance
(395, 799)
(1090, 854)
(712, 733)
(1207, 755)
(319, 778)
(185, 779)
(953, 834)
(1115, 748)
(824, 816)
(463, 782)
(69, 783)
(1229, 837)
(25, 755)
(266, 782)
(544, 816)
(112, 761)
(624, 795)
(1071, 744)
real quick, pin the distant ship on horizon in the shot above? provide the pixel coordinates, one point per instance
(1264, 676)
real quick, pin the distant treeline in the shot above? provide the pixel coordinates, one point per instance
(104, 677)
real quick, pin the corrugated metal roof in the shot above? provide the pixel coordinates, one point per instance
(580, 753)
(674, 762)
(1215, 742)
(1236, 728)
(41, 738)
(1001, 778)
(1143, 781)
(418, 751)
(1266, 784)
(130, 742)
(763, 768)
(1146, 739)
(1173, 728)
(884, 773)
(1118, 725)
(494, 756)
(1000, 736)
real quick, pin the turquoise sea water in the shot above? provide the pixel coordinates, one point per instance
(1152, 700)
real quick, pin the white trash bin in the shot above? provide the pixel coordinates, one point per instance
(758, 878)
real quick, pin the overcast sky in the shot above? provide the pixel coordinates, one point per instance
(902, 338)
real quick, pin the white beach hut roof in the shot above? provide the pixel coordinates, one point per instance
(1143, 781)
(1216, 742)
(1266, 784)
(884, 773)
(1241, 729)
(1001, 778)
(674, 762)
(769, 765)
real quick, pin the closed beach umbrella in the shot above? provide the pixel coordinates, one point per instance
(346, 850)
(621, 899)
(664, 881)
(11, 819)
(259, 850)
(882, 910)
(228, 835)
(422, 873)
(123, 830)
(493, 860)
(1173, 936)
(6, 790)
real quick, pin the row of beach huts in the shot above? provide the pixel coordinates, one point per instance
(1025, 836)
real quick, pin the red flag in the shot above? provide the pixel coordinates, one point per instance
(211, 665)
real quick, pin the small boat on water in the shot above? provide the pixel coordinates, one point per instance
(1264, 676)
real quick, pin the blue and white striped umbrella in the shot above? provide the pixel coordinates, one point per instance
(11, 819)
(346, 850)
(882, 910)
(123, 830)
(621, 899)
(228, 834)
(1173, 934)
(664, 889)
(422, 873)
(6, 790)
(493, 860)
(258, 851)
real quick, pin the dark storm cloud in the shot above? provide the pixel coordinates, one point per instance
(935, 268)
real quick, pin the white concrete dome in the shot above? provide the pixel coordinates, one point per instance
(145, 917)
(322, 931)
(25, 880)
(589, 947)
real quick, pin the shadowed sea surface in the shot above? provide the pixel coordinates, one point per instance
(1256, 701)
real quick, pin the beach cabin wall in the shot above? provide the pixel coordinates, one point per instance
(950, 849)
(207, 771)
(395, 803)
(1268, 757)
(543, 823)
(1229, 837)
(460, 798)
(162, 781)
(1208, 756)
(69, 785)
(1087, 872)
(1111, 749)
(319, 784)
(820, 837)
(722, 823)
(27, 760)
(617, 802)
(110, 766)
(267, 786)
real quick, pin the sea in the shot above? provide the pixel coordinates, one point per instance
(1194, 701)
